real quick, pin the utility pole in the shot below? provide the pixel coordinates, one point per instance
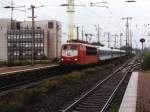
(82, 33)
(33, 33)
(115, 41)
(98, 33)
(12, 10)
(77, 32)
(86, 35)
(121, 34)
(108, 38)
(12, 7)
(127, 32)
(131, 40)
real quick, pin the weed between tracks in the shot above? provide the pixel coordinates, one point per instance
(17, 101)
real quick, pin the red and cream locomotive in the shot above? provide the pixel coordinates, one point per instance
(78, 53)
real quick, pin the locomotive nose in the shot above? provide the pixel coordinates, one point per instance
(69, 61)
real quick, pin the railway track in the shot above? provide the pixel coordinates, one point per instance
(11, 80)
(29, 77)
(98, 98)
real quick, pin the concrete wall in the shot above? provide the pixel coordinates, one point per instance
(4, 25)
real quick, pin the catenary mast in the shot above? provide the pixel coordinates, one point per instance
(70, 10)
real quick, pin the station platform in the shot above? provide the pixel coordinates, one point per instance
(137, 95)
(5, 70)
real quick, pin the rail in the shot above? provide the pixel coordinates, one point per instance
(81, 99)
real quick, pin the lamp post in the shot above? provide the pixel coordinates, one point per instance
(142, 40)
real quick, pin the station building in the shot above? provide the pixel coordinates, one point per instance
(16, 43)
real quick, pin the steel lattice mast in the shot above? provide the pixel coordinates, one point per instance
(70, 10)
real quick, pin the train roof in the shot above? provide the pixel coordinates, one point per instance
(109, 49)
(77, 43)
(98, 47)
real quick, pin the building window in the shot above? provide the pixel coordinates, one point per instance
(38, 27)
(50, 25)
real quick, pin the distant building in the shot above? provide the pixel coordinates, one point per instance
(52, 36)
(20, 44)
(4, 26)
(16, 44)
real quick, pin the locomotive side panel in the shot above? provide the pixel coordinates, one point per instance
(91, 55)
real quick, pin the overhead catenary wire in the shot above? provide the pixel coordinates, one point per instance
(110, 12)
(3, 3)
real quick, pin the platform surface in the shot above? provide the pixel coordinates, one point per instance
(4, 70)
(143, 97)
(130, 97)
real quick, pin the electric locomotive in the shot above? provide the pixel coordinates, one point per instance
(78, 54)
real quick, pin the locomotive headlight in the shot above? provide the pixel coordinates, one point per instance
(76, 59)
(62, 59)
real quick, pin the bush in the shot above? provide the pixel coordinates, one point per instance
(42, 62)
(48, 86)
(19, 63)
(31, 96)
(14, 107)
(89, 71)
(71, 78)
(11, 106)
(146, 62)
(3, 63)
(54, 61)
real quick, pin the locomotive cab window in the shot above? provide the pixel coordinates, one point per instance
(69, 47)
(73, 47)
(65, 47)
(69, 50)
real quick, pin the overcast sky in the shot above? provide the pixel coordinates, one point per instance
(110, 19)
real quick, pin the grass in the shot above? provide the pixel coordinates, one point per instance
(71, 78)
(14, 106)
(89, 71)
(3, 63)
(16, 101)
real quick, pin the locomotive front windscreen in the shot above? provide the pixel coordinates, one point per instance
(69, 50)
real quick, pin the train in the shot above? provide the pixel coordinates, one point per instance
(74, 53)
